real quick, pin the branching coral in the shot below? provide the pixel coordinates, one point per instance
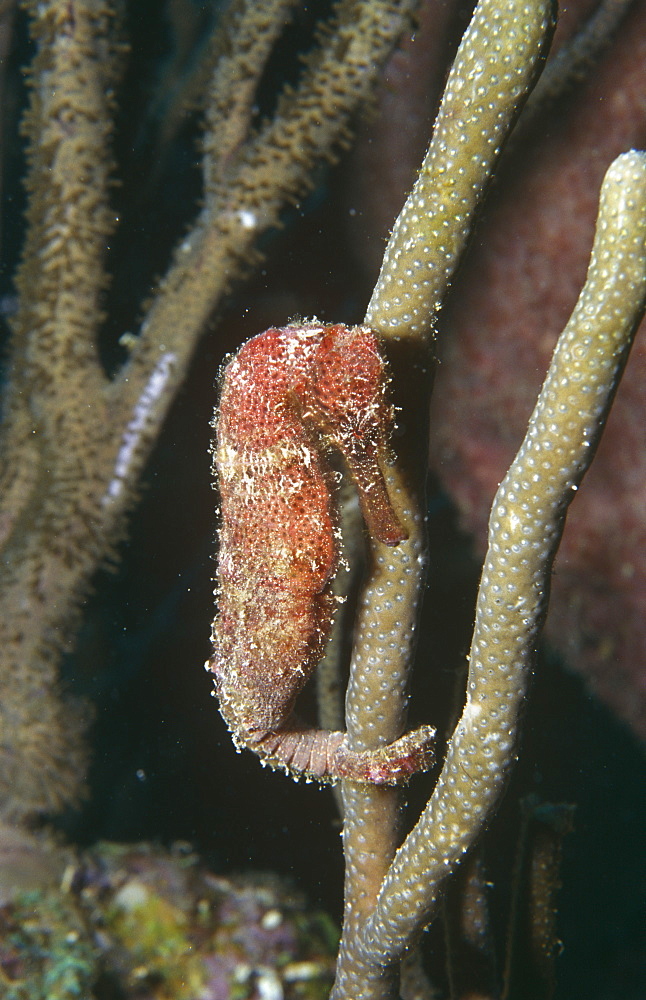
(521, 278)
(74, 441)
(525, 529)
(387, 905)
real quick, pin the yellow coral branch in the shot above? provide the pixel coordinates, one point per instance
(527, 521)
(74, 442)
(495, 67)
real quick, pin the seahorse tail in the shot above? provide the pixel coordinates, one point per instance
(324, 756)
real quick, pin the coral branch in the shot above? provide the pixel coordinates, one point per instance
(525, 529)
(239, 53)
(54, 417)
(495, 67)
(74, 441)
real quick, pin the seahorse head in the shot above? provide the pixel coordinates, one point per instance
(345, 398)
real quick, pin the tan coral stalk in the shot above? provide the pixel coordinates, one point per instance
(494, 69)
(525, 529)
(74, 442)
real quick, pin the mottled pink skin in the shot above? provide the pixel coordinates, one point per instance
(288, 396)
(277, 550)
(511, 299)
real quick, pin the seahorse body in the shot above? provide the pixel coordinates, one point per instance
(288, 395)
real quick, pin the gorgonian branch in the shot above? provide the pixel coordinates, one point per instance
(525, 529)
(74, 440)
(495, 67)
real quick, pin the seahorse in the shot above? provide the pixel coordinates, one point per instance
(288, 396)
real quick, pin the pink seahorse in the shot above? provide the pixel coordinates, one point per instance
(289, 395)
